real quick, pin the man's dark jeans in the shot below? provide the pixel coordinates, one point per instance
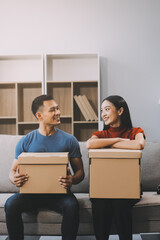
(66, 204)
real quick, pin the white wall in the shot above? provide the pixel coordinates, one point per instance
(125, 33)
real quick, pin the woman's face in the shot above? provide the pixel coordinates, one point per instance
(110, 114)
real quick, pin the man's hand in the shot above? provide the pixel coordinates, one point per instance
(66, 182)
(20, 179)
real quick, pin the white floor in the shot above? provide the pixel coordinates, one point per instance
(153, 236)
(113, 237)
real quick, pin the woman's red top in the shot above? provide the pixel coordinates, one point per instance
(121, 132)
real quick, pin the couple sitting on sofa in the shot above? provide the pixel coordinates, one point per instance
(118, 133)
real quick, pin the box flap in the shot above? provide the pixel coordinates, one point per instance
(43, 158)
(114, 153)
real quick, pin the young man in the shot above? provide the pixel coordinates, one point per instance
(47, 138)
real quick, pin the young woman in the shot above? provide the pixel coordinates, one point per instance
(118, 133)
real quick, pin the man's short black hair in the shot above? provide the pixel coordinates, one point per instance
(38, 102)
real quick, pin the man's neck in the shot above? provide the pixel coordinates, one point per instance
(46, 130)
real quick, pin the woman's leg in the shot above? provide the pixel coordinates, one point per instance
(102, 217)
(122, 211)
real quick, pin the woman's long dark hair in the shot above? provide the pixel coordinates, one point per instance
(119, 102)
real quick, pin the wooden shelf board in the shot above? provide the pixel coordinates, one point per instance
(82, 81)
(7, 83)
(25, 123)
(8, 117)
(85, 81)
(83, 122)
(37, 121)
(20, 82)
(29, 82)
(72, 56)
(65, 116)
(59, 82)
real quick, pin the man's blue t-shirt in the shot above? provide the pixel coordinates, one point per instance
(60, 141)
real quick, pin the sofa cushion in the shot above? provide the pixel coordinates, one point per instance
(147, 209)
(150, 166)
(146, 216)
(7, 148)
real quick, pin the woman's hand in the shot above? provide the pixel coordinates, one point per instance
(137, 144)
(95, 142)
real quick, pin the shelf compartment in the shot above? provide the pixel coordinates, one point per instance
(24, 129)
(7, 100)
(83, 131)
(8, 126)
(26, 94)
(90, 89)
(21, 68)
(66, 125)
(61, 92)
(72, 67)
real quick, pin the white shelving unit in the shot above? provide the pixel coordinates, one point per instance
(24, 77)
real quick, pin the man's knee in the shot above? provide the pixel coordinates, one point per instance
(12, 204)
(71, 205)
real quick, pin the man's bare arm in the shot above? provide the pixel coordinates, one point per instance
(77, 166)
(15, 177)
